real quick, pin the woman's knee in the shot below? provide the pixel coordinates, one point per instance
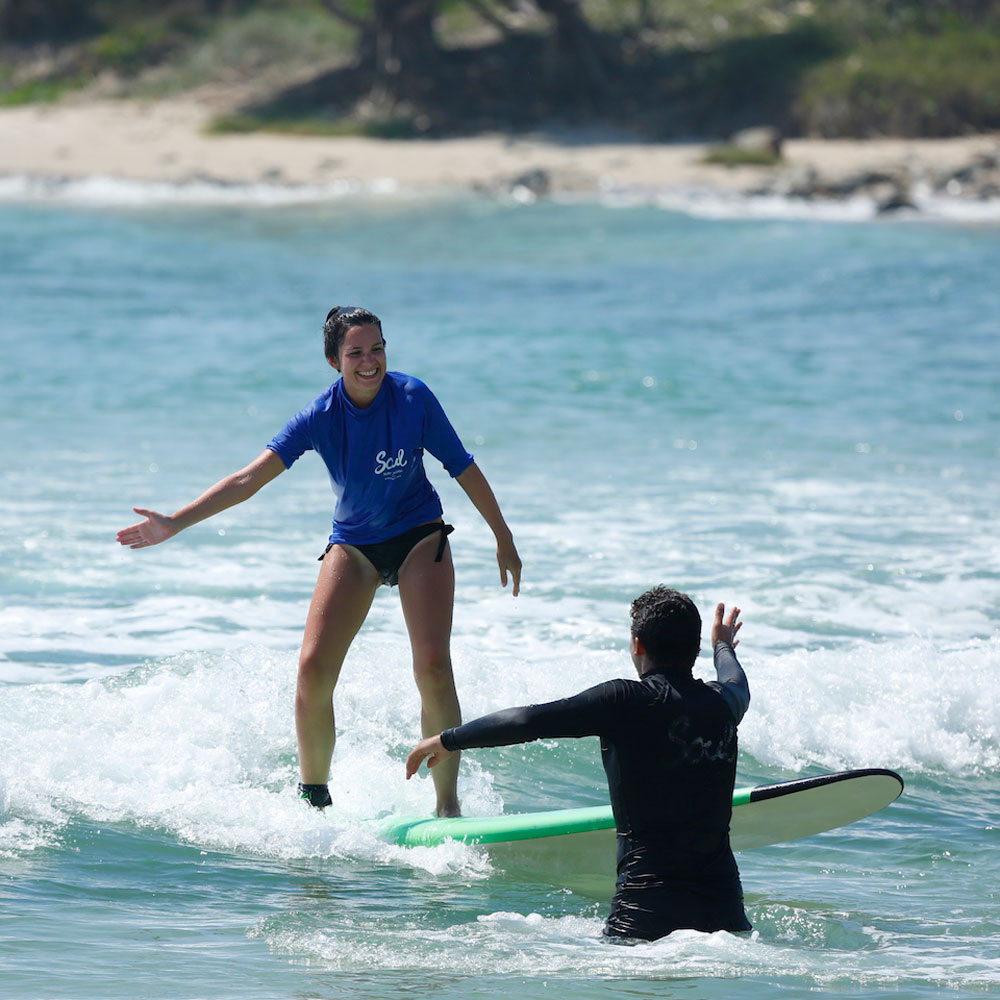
(318, 674)
(433, 672)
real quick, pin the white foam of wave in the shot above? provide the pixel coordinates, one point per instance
(70, 642)
(731, 205)
(968, 210)
(912, 705)
(203, 745)
(706, 203)
(117, 191)
(814, 950)
(20, 837)
(719, 203)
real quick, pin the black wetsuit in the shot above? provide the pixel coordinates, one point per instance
(668, 743)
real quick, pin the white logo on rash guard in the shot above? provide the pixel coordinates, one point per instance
(384, 464)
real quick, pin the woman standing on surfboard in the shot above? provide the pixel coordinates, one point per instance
(371, 428)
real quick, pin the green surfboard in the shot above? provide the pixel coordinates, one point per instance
(581, 842)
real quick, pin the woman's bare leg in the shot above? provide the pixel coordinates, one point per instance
(340, 604)
(427, 594)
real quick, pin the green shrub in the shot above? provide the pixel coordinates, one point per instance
(735, 156)
(242, 123)
(46, 91)
(913, 85)
(131, 48)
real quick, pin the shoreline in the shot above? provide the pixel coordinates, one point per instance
(165, 143)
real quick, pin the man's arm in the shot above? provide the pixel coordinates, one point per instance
(431, 749)
(732, 680)
(585, 714)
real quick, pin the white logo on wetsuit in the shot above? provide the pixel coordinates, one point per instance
(390, 467)
(700, 750)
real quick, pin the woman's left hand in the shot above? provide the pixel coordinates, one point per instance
(479, 492)
(509, 561)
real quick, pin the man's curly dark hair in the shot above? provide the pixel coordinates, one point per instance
(669, 626)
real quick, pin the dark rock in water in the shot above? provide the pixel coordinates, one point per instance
(898, 201)
(535, 182)
(977, 180)
(895, 188)
(532, 184)
(864, 181)
(203, 177)
(796, 182)
(889, 191)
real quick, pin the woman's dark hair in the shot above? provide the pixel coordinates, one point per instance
(339, 320)
(669, 626)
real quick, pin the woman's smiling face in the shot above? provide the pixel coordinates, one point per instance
(362, 364)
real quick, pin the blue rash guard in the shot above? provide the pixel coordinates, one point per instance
(375, 456)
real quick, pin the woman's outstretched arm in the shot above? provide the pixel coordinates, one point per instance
(227, 492)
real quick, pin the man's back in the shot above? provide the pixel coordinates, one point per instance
(669, 750)
(670, 757)
(669, 747)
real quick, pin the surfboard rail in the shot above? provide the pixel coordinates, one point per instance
(762, 814)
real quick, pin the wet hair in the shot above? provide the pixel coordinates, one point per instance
(669, 626)
(338, 321)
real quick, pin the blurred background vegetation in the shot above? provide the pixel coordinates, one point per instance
(663, 69)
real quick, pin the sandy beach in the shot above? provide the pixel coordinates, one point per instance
(166, 141)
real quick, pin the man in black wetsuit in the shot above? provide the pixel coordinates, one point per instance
(668, 742)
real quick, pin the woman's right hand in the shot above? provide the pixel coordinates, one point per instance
(155, 529)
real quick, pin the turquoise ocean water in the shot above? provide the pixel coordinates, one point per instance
(800, 416)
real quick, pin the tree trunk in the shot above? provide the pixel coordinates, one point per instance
(400, 39)
(576, 43)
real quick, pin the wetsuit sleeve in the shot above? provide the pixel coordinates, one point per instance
(440, 438)
(732, 682)
(588, 713)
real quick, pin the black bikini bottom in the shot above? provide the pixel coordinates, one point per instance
(387, 557)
